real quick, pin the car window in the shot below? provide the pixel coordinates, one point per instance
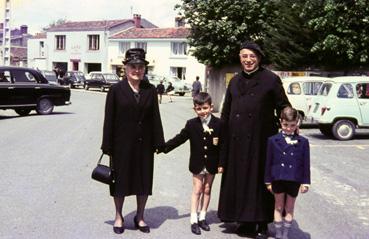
(345, 91)
(294, 89)
(97, 77)
(23, 76)
(4, 77)
(325, 89)
(362, 90)
(110, 77)
(311, 88)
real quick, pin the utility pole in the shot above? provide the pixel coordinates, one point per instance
(6, 34)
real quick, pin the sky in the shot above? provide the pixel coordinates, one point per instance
(40, 13)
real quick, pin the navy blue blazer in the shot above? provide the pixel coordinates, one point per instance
(287, 162)
(205, 147)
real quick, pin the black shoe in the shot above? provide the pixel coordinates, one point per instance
(246, 229)
(204, 225)
(195, 229)
(145, 229)
(118, 230)
(262, 235)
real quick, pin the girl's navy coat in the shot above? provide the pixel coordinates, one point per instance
(204, 153)
(288, 162)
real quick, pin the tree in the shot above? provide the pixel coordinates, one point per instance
(54, 23)
(288, 40)
(218, 27)
(342, 28)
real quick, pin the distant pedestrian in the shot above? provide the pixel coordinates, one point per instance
(196, 87)
(287, 169)
(204, 133)
(160, 89)
(170, 91)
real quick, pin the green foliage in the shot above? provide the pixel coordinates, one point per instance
(326, 34)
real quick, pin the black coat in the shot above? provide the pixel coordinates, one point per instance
(132, 133)
(249, 115)
(205, 147)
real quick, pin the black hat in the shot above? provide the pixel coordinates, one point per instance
(135, 56)
(252, 46)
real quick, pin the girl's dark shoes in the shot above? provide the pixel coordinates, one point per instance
(195, 229)
(144, 229)
(204, 225)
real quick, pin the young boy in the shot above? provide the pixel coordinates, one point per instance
(287, 169)
(204, 133)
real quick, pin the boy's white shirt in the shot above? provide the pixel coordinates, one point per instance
(205, 123)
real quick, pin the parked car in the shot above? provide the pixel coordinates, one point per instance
(342, 106)
(301, 90)
(24, 89)
(50, 76)
(100, 80)
(180, 87)
(74, 79)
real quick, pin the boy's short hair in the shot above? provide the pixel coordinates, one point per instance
(290, 114)
(202, 98)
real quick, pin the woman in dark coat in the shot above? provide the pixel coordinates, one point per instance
(249, 113)
(132, 132)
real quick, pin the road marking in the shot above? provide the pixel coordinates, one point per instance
(359, 146)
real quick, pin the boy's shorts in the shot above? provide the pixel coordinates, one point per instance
(289, 187)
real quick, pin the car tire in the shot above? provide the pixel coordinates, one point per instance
(343, 130)
(326, 130)
(181, 94)
(44, 106)
(86, 87)
(22, 112)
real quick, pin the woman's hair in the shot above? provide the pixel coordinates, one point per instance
(290, 114)
(202, 98)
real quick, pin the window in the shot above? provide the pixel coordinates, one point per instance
(324, 90)
(179, 72)
(311, 88)
(23, 76)
(294, 89)
(142, 45)
(60, 42)
(93, 42)
(4, 77)
(123, 47)
(345, 91)
(362, 90)
(179, 48)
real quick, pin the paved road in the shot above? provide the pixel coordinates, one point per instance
(46, 190)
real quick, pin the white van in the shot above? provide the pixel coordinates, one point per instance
(301, 90)
(342, 106)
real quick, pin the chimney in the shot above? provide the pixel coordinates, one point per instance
(179, 21)
(24, 29)
(137, 20)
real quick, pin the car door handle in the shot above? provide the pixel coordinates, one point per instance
(11, 87)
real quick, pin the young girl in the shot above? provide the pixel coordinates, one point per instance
(204, 133)
(287, 169)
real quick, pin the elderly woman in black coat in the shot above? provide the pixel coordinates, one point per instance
(249, 112)
(132, 132)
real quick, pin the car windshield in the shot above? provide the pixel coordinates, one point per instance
(324, 89)
(111, 77)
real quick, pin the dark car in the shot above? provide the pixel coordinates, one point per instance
(101, 80)
(74, 79)
(25, 89)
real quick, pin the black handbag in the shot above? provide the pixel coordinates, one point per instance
(103, 173)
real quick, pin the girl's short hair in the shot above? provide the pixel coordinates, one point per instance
(290, 114)
(202, 98)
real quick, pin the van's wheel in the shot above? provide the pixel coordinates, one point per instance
(343, 130)
(44, 106)
(22, 112)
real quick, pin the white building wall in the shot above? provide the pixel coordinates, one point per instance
(36, 55)
(76, 48)
(160, 57)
